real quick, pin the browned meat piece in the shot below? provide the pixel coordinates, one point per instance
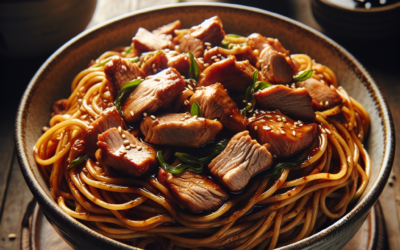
(58, 107)
(194, 192)
(241, 159)
(156, 92)
(77, 149)
(120, 71)
(235, 76)
(215, 103)
(180, 62)
(145, 41)
(276, 67)
(167, 29)
(109, 118)
(259, 42)
(179, 130)
(188, 43)
(241, 54)
(283, 136)
(123, 152)
(210, 30)
(323, 96)
(154, 62)
(295, 103)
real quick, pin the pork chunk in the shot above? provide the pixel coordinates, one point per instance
(241, 53)
(109, 118)
(322, 95)
(188, 43)
(123, 152)
(59, 107)
(179, 130)
(241, 159)
(145, 41)
(296, 103)
(180, 62)
(210, 30)
(235, 76)
(276, 67)
(259, 42)
(154, 62)
(281, 135)
(167, 29)
(215, 103)
(195, 192)
(156, 92)
(120, 71)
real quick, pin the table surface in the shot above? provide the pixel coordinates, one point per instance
(380, 58)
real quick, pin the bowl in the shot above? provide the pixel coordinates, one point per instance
(53, 80)
(34, 28)
(342, 20)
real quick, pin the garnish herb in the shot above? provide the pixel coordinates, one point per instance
(296, 161)
(233, 35)
(134, 60)
(257, 85)
(128, 50)
(125, 91)
(190, 162)
(77, 161)
(303, 75)
(103, 62)
(194, 72)
(195, 109)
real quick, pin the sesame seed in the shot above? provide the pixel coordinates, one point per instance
(166, 50)
(268, 112)
(206, 65)
(119, 129)
(83, 116)
(183, 77)
(359, 135)
(182, 119)
(283, 132)
(244, 101)
(321, 103)
(256, 128)
(275, 156)
(328, 131)
(208, 47)
(139, 77)
(207, 43)
(332, 87)
(217, 60)
(248, 104)
(186, 102)
(279, 119)
(266, 128)
(215, 119)
(195, 117)
(12, 236)
(219, 54)
(155, 70)
(190, 87)
(201, 118)
(126, 142)
(153, 66)
(128, 147)
(213, 57)
(326, 103)
(262, 112)
(139, 148)
(132, 146)
(301, 124)
(122, 152)
(145, 114)
(323, 130)
(153, 117)
(294, 133)
(131, 113)
(79, 100)
(123, 136)
(109, 104)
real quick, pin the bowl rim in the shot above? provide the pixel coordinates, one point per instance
(360, 10)
(312, 241)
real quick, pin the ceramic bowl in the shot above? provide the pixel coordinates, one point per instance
(357, 24)
(53, 81)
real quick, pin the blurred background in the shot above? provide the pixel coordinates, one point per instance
(31, 30)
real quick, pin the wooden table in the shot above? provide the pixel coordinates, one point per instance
(380, 58)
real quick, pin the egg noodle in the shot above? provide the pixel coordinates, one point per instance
(272, 212)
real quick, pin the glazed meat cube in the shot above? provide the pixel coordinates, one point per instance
(154, 62)
(120, 71)
(179, 130)
(188, 43)
(156, 92)
(296, 103)
(281, 135)
(276, 67)
(180, 62)
(215, 103)
(123, 152)
(235, 76)
(241, 53)
(145, 41)
(109, 118)
(59, 107)
(259, 42)
(193, 191)
(241, 159)
(210, 30)
(167, 29)
(323, 96)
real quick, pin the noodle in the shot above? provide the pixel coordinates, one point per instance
(289, 209)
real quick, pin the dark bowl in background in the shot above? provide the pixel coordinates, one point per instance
(357, 24)
(53, 80)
